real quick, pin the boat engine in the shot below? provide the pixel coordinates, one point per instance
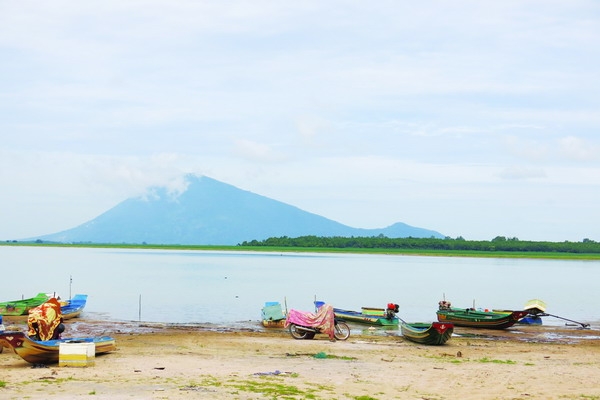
(444, 305)
(391, 310)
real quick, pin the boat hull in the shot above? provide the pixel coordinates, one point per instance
(22, 307)
(273, 315)
(74, 307)
(480, 319)
(362, 318)
(531, 320)
(47, 352)
(433, 334)
(273, 324)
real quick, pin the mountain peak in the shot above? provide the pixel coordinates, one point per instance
(204, 211)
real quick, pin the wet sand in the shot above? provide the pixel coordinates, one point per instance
(158, 361)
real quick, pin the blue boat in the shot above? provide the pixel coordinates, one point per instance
(74, 307)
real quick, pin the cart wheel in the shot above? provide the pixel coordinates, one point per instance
(297, 333)
(341, 331)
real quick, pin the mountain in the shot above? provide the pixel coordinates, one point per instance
(210, 212)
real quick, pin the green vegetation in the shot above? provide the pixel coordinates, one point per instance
(487, 360)
(274, 387)
(499, 247)
(325, 355)
(271, 388)
(498, 244)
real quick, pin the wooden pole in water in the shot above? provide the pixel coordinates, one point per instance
(140, 309)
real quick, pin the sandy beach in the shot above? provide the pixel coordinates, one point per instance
(157, 361)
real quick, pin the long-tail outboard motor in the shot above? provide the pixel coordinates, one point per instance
(391, 310)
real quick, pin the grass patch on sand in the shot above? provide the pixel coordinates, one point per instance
(458, 360)
(332, 356)
(489, 360)
(275, 387)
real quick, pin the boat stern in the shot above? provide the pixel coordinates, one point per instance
(12, 339)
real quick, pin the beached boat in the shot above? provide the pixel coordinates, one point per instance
(74, 307)
(529, 319)
(273, 315)
(369, 316)
(432, 333)
(47, 352)
(22, 307)
(535, 308)
(473, 318)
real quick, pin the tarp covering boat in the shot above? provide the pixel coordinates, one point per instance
(44, 321)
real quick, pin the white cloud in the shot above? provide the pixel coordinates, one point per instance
(253, 151)
(431, 114)
(516, 172)
(579, 149)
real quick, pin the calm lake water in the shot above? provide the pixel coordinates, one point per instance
(231, 287)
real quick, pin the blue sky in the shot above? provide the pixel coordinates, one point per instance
(474, 119)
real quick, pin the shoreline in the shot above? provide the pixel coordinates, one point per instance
(167, 361)
(86, 326)
(332, 250)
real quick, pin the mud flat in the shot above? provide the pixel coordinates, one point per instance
(167, 361)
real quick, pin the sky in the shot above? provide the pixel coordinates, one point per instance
(474, 119)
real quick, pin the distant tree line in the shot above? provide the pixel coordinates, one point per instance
(500, 243)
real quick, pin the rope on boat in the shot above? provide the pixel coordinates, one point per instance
(582, 324)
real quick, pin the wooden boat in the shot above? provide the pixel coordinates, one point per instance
(535, 308)
(529, 319)
(272, 315)
(367, 316)
(47, 352)
(432, 333)
(74, 307)
(472, 318)
(22, 307)
(273, 324)
(370, 315)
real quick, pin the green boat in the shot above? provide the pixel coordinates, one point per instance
(22, 307)
(472, 318)
(273, 315)
(370, 315)
(429, 333)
